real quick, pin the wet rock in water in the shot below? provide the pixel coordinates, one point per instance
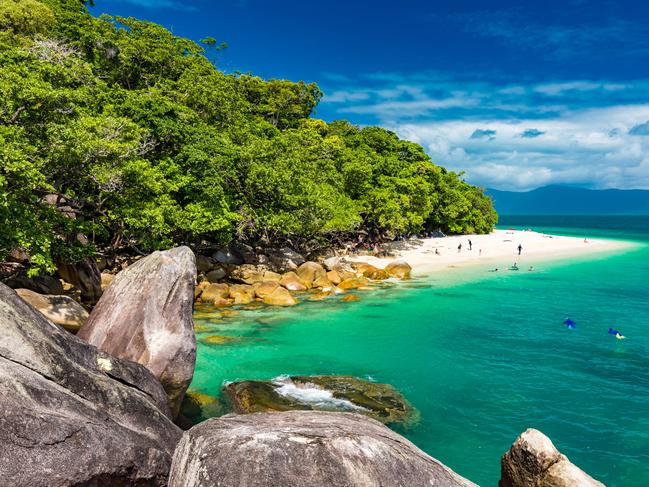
(321, 295)
(280, 297)
(321, 393)
(242, 293)
(198, 407)
(85, 276)
(248, 273)
(310, 272)
(293, 282)
(214, 292)
(305, 449)
(73, 415)
(533, 461)
(146, 316)
(265, 289)
(334, 277)
(353, 283)
(60, 310)
(372, 272)
(351, 297)
(399, 269)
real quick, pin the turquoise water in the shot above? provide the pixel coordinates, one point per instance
(483, 356)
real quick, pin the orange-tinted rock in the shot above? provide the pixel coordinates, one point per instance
(248, 273)
(350, 297)
(242, 293)
(334, 277)
(353, 283)
(272, 276)
(324, 283)
(280, 297)
(213, 292)
(399, 269)
(265, 288)
(320, 296)
(292, 282)
(311, 271)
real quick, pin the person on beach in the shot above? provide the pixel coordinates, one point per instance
(520, 249)
(436, 251)
(479, 252)
(470, 244)
(459, 248)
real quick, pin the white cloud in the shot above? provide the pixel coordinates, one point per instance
(576, 148)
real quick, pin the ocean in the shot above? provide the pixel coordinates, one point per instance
(482, 356)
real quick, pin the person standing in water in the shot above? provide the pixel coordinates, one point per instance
(520, 249)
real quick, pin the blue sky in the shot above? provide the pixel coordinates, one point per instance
(515, 94)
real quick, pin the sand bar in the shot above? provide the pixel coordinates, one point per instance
(500, 248)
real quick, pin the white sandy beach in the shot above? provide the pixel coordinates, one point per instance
(500, 248)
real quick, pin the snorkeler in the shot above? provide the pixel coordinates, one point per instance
(570, 324)
(617, 334)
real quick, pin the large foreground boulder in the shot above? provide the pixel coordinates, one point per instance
(533, 461)
(303, 449)
(72, 415)
(146, 316)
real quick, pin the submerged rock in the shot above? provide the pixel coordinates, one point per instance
(60, 310)
(146, 316)
(72, 415)
(198, 407)
(305, 449)
(533, 461)
(322, 393)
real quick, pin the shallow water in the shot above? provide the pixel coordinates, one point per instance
(482, 355)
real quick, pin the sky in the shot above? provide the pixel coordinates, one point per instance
(516, 94)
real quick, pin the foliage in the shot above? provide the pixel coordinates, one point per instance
(116, 134)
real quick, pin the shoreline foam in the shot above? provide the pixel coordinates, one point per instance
(498, 248)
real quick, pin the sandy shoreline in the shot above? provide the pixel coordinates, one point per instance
(500, 248)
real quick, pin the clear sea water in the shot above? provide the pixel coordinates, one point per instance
(482, 355)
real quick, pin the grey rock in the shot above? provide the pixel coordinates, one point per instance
(204, 263)
(285, 259)
(215, 275)
(228, 256)
(71, 415)
(533, 461)
(146, 316)
(85, 276)
(60, 310)
(38, 284)
(303, 449)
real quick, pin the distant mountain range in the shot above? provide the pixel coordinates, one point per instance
(566, 200)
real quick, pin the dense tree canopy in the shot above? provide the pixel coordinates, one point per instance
(116, 134)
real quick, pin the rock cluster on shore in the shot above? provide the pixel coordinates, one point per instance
(74, 415)
(245, 283)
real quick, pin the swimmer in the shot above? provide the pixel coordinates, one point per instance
(570, 324)
(531, 268)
